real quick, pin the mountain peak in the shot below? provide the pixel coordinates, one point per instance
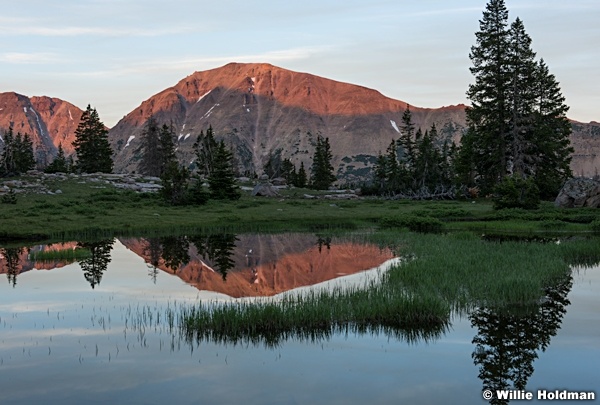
(313, 93)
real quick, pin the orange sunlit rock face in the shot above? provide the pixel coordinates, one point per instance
(49, 122)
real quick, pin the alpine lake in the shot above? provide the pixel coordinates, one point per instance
(108, 321)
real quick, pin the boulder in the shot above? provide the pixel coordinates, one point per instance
(279, 181)
(579, 192)
(265, 190)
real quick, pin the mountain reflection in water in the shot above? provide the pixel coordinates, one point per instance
(235, 265)
(256, 265)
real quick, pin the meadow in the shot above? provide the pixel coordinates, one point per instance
(459, 255)
(83, 211)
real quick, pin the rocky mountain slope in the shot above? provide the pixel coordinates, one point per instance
(48, 121)
(262, 110)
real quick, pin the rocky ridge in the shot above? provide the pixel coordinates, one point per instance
(38, 183)
(262, 110)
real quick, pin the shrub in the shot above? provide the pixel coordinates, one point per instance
(596, 225)
(516, 192)
(552, 224)
(9, 198)
(414, 223)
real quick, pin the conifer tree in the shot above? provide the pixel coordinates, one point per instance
(221, 181)
(288, 171)
(392, 168)
(521, 143)
(552, 131)
(17, 156)
(174, 181)
(322, 176)
(488, 115)
(301, 177)
(151, 159)
(166, 147)
(380, 173)
(406, 141)
(517, 121)
(92, 148)
(60, 163)
(205, 148)
(25, 158)
(7, 160)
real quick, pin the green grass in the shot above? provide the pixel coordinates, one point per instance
(443, 274)
(69, 255)
(84, 211)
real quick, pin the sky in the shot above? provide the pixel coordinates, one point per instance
(114, 54)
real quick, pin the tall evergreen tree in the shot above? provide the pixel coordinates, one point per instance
(517, 122)
(552, 131)
(17, 156)
(522, 98)
(322, 176)
(25, 158)
(301, 177)
(150, 163)
(288, 171)
(205, 148)
(174, 181)
(488, 115)
(60, 163)
(406, 140)
(93, 150)
(380, 173)
(166, 145)
(221, 181)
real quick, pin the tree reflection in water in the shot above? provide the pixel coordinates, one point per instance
(218, 249)
(153, 250)
(94, 266)
(175, 251)
(508, 341)
(12, 260)
(324, 241)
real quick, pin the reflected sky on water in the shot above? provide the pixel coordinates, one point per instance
(63, 342)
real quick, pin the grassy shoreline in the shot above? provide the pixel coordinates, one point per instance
(82, 211)
(416, 299)
(454, 269)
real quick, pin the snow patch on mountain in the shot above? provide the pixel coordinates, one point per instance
(395, 125)
(37, 117)
(201, 97)
(209, 111)
(131, 138)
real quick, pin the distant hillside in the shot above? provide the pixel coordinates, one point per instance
(48, 121)
(260, 109)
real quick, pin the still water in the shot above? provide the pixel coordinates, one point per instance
(94, 330)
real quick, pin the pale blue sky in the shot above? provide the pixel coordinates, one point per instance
(116, 53)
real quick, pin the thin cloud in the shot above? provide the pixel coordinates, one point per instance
(29, 58)
(192, 64)
(36, 30)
